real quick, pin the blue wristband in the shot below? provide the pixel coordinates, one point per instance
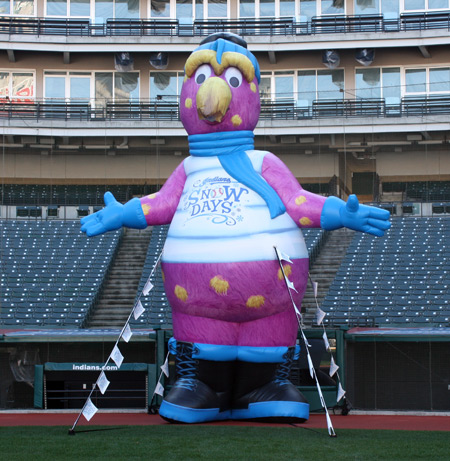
(330, 218)
(133, 215)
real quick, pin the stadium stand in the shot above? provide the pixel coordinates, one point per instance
(35, 194)
(399, 280)
(421, 191)
(51, 273)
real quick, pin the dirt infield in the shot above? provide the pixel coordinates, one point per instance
(391, 422)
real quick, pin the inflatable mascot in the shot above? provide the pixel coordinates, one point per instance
(228, 206)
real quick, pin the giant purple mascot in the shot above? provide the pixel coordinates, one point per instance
(229, 205)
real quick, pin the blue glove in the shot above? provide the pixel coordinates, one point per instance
(114, 216)
(336, 213)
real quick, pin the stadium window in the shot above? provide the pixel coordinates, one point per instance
(332, 7)
(377, 6)
(101, 10)
(421, 5)
(378, 83)
(330, 84)
(116, 86)
(303, 85)
(192, 9)
(22, 212)
(67, 86)
(18, 7)
(165, 85)
(83, 210)
(52, 211)
(266, 8)
(408, 208)
(427, 81)
(35, 211)
(17, 86)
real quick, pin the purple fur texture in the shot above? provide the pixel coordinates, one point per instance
(246, 299)
(276, 330)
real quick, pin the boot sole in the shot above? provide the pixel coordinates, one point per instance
(282, 411)
(178, 414)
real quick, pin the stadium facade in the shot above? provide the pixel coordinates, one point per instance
(355, 99)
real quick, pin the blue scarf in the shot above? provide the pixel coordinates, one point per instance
(230, 147)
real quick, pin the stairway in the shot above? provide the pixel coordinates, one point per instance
(120, 288)
(324, 270)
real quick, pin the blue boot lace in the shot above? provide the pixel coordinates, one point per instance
(284, 369)
(186, 367)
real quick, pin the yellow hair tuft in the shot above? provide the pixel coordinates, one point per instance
(255, 302)
(181, 293)
(219, 284)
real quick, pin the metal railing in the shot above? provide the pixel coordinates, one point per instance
(287, 109)
(246, 27)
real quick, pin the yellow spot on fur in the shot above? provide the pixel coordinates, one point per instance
(181, 293)
(255, 302)
(253, 87)
(219, 284)
(186, 78)
(300, 199)
(152, 196)
(305, 221)
(236, 120)
(146, 209)
(163, 275)
(188, 103)
(287, 270)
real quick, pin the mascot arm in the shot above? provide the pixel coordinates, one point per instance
(160, 207)
(154, 209)
(311, 210)
(304, 207)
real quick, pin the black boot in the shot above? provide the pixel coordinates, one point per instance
(202, 391)
(263, 392)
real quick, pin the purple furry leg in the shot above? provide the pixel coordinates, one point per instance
(194, 329)
(273, 331)
(277, 330)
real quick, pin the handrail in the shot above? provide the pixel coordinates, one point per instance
(116, 27)
(284, 109)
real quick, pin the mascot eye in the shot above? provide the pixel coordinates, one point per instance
(234, 77)
(202, 73)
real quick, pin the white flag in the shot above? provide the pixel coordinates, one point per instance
(138, 310)
(165, 366)
(325, 340)
(283, 256)
(117, 356)
(333, 367)
(320, 315)
(147, 288)
(304, 339)
(297, 311)
(102, 382)
(159, 389)
(126, 335)
(340, 393)
(290, 285)
(311, 366)
(89, 409)
(315, 286)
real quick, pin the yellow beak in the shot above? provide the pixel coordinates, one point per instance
(213, 99)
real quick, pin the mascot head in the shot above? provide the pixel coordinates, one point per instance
(220, 90)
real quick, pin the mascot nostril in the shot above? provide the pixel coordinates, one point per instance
(228, 205)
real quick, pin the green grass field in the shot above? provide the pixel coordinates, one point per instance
(217, 443)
